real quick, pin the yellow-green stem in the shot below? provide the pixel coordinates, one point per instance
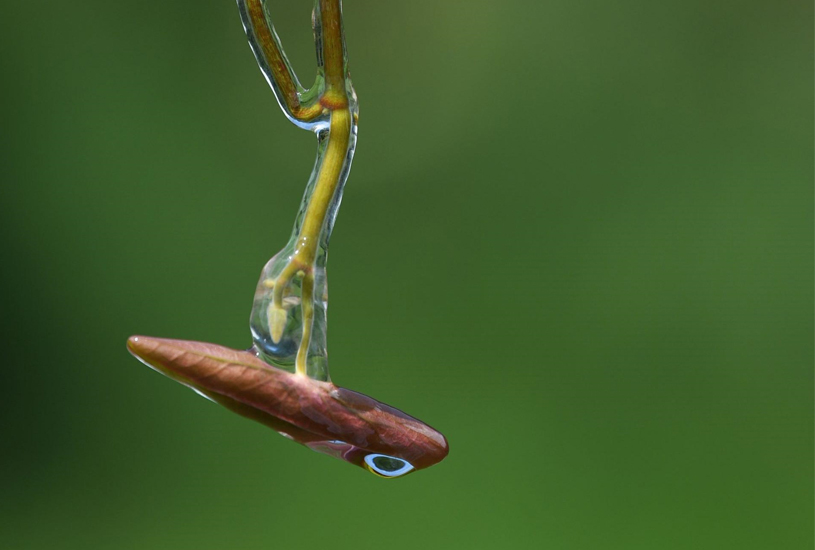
(334, 100)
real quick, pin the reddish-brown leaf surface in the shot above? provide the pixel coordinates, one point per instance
(304, 409)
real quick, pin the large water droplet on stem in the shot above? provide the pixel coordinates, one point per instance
(277, 329)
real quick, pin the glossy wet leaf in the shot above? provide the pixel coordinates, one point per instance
(318, 414)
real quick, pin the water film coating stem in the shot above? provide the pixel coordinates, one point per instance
(289, 315)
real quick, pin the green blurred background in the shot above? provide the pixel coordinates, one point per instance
(577, 239)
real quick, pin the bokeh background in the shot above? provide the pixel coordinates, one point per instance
(577, 239)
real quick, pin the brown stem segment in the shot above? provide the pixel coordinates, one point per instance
(283, 77)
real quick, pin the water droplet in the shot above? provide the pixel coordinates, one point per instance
(387, 466)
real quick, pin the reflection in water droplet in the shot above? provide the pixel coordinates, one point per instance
(388, 466)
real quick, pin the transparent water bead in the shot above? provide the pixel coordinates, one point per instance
(281, 349)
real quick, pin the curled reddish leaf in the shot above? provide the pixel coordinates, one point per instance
(320, 415)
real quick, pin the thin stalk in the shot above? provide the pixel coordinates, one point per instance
(331, 114)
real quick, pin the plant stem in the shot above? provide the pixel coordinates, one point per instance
(332, 102)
